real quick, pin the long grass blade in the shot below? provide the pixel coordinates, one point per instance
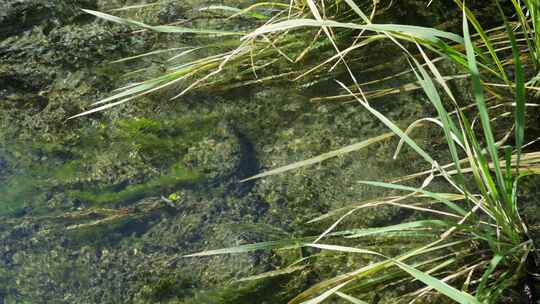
(399, 227)
(160, 28)
(323, 157)
(519, 99)
(235, 10)
(390, 125)
(350, 298)
(440, 286)
(429, 34)
(433, 195)
(273, 273)
(244, 248)
(482, 108)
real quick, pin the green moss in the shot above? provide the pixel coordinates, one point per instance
(164, 139)
(68, 171)
(245, 293)
(22, 189)
(167, 287)
(177, 176)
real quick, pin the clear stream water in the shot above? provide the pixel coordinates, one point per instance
(101, 209)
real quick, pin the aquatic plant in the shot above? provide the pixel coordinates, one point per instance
(474, 245)
(178, 176)
(479, 246)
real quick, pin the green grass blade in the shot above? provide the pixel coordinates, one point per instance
(160, 28)
(430, 90)
(468, 14)
(426, 33)
(519, 99)
(156, 52)
(440, 286)
(433, 195)
(483, 281)
(482, 108)
(273, 273)
(287, 243)
(391, 126)
(399, 227)
(235, 10)
(245, 248)
(326, 294)
(344, 249)
(358, 11)
(323, 157)
(526, 29)
(350, 298)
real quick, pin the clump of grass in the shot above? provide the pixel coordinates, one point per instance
(232, 62)
(282, 47)
(476, 245)
(479, 243)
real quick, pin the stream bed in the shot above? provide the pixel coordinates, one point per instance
(101, 209)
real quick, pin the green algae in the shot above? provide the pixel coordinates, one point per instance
(159, 143)
(68, 171)
(16, 194)
(163, 141)
(178, 176)
(21, 190)
(171, 286)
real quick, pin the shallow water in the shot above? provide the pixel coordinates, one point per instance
(101, 209)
